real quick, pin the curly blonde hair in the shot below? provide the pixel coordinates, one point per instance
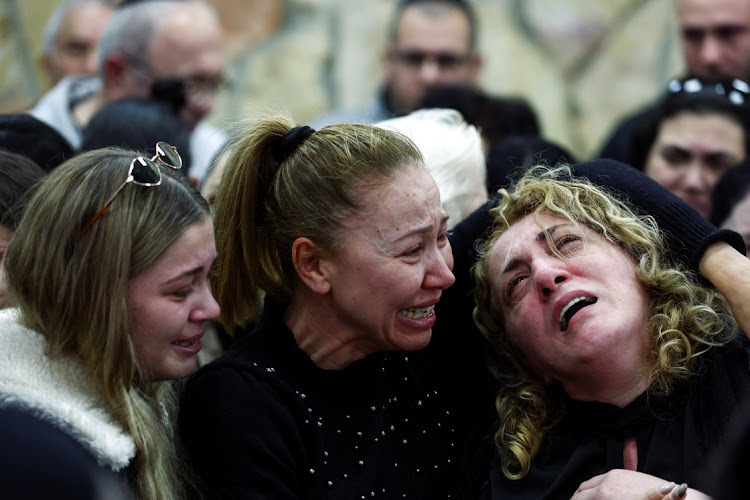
(686, 318)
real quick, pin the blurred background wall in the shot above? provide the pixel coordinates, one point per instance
(581, 64)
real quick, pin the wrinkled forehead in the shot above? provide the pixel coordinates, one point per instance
(400, 203)
(436, 24)
(187, 43)
(86, 17)
(705, 132)
(711, 14)
(410, 184)
(529, 230)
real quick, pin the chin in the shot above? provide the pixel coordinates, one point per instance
(414, 342)
(173, 373)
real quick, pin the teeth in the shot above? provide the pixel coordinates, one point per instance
(564, 319)
(184, 344)
(417, 313)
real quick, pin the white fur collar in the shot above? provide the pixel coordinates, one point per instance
(58, 391)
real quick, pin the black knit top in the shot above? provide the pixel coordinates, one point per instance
(263, 421)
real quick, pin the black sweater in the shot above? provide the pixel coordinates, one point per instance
(675, 435)
(263, 421)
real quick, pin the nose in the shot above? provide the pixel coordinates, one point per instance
(430, 71)
(710, 52)
(200, 103)
(438, 273)
(91, 63)
(208, 309)
(548, 275)
(694, 178)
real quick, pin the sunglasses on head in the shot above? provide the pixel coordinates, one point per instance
(143, 172)
(736, 91)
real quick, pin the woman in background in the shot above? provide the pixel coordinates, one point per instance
(695, 134)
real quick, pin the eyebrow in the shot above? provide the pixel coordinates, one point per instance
(541, 237)
(423, 230)
(186, 274)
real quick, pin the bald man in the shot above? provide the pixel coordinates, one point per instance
(148, 46)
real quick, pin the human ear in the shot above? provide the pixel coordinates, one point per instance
(476, 62)
(46, 62)
(386, 61)
(114, 69)
(307, 257)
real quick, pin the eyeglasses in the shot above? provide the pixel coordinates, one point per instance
(736, 91)
(416, 58)
(177, 92)
(197, 86)
(142, 172)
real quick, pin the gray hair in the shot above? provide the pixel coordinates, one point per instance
(52, 28)
(132, 28)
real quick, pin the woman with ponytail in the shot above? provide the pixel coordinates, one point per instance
(334, 244)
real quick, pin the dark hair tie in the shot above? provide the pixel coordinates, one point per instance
(290, 142)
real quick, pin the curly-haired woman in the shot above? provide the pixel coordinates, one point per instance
(609, 354)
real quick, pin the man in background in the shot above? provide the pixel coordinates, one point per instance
(431, 42)
(71, 36)
(715, 37)
(169, 49)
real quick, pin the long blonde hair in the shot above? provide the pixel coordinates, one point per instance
(74, 290)
(686, 318)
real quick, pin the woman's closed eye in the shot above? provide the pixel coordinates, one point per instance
(182, 293)
(568, 243)
(513, 283)
(413, 251)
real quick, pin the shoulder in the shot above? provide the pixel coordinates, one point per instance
(207, 132)
(48, 463)
(256, 369)
(59, 392)
(54, 107)
(206, 141)
(66, 92)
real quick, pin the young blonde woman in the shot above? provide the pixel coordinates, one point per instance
(109, 270)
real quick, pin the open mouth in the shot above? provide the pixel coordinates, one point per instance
(185, 344)
(571, 308)
(188, 342)
(418, 313)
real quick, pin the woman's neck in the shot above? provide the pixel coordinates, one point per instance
(329, 343)
(618, 389)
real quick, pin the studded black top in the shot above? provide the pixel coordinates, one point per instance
(263, 421)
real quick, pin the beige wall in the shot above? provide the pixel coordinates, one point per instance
(581, 64)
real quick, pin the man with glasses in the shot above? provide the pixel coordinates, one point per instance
(432, 42)
(167, 49)
(715, 37)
